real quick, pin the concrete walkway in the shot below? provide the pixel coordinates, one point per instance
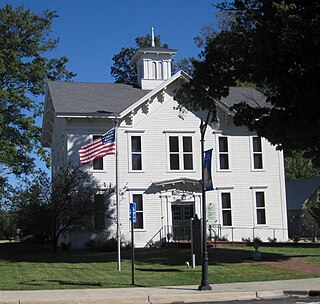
(173, 294)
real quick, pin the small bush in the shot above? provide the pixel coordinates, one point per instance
(272, 240)
(296, 238)
(257, 240)
(90, 244)
(103, 245)
(65, 246)
(223, 239)
(246, 240)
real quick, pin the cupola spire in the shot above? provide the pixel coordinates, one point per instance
(152, 37)
(153, 64)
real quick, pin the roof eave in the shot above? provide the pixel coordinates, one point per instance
(139, 52)
(162, 86)
(87, 115)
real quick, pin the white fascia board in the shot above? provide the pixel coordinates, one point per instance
(44, 116)
(225, 107)
(89, 116)
(155, 91)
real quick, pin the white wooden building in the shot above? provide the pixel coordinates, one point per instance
(160, 158)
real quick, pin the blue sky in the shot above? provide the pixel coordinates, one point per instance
(92, 31)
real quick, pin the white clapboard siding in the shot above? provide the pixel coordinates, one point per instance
(154, 120)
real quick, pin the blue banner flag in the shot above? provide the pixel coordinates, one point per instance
(208, 185)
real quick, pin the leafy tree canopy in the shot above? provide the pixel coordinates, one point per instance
(31, 206)
(275, 46)
(123, 70)
(71, 201)
(24, 70)
(298, 166)
(46, 209)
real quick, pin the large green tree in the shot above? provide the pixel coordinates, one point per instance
(123, 70)
(47, 209)
(297, 166)
(275, 46)
(30, 203)
(71, 203)
(25, 67)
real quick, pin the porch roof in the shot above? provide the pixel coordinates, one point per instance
(181, 183)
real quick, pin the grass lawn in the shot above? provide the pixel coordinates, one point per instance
(29, 266)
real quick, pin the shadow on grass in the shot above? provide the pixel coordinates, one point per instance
(60, 282)
(159, 270)
(22, 252)
(70, 283)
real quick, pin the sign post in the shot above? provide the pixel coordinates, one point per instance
(133, 219)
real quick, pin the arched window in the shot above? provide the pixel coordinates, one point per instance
(160, 70)
(154, 70)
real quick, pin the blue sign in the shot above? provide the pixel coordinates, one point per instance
(208, 185)
(132, 210)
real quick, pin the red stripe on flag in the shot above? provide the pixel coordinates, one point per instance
(97, 149)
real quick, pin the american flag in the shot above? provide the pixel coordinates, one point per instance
(99, 148)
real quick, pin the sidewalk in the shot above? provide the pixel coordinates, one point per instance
(173, 294)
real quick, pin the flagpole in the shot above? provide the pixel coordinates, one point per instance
(117, 197)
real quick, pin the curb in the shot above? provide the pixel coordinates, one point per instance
(314, 293)
(303, 293)
(205, 296)
(265, 294)
(151, 299)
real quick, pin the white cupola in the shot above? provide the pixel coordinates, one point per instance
(153, 65)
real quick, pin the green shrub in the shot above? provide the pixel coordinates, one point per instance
(103, 245)
(246, 240)
(65, 246)
(296, 238)
(272, 240)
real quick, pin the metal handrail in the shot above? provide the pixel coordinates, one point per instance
(154, 236)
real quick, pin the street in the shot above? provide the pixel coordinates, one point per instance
(286, 300)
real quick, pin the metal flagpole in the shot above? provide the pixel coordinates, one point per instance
(117, 198)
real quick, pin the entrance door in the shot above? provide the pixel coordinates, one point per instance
(181, 221)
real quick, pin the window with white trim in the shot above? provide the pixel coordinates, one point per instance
(138, 199)
(136, 153)
(99, 212)
(180, 153)
(97, 164)
(223, 153)
(260, 207)
(257, 153)
(226, 209)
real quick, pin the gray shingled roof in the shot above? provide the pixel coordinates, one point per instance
(249, 95)
(92, 98)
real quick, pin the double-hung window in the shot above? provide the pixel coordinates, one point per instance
(99, 212)
(226, 209)
(223, 153)
(138, 199)
(260, 207)
(136, 153)
(97, 163)
(257, 153)
(180, 153)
